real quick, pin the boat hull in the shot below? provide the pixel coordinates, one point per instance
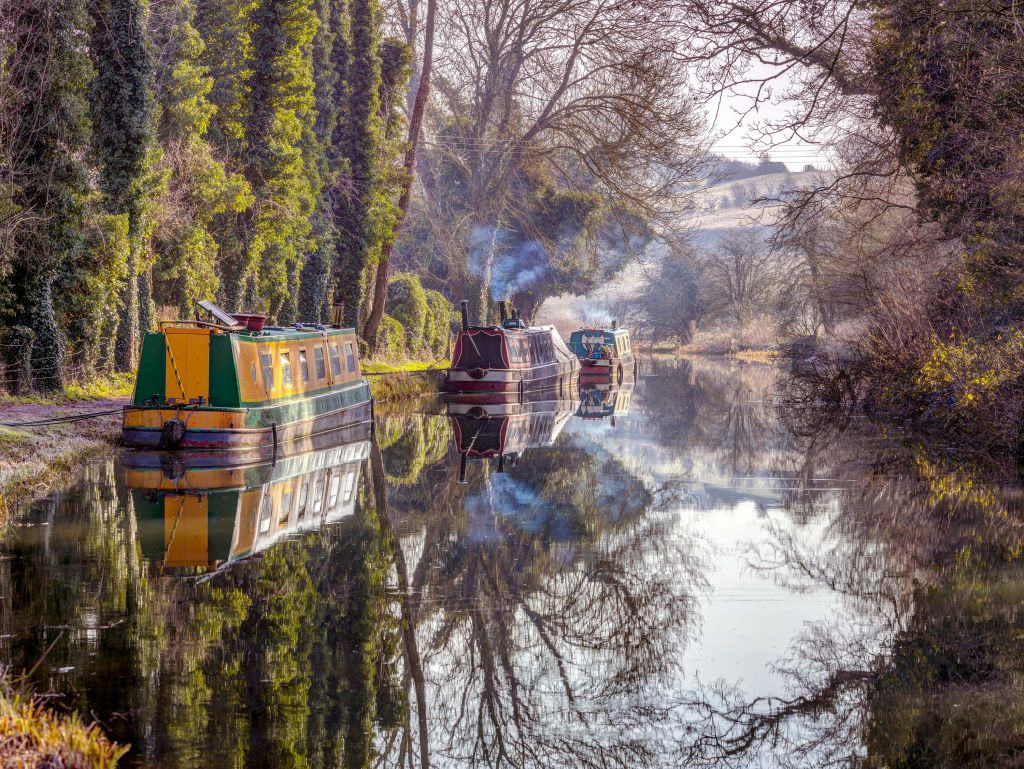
(248, 432)
(502, 385)
(607, 369)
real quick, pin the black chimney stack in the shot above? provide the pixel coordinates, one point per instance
(464, 304)
(462, 468)
(501, 463)
(503, 310)
(615, 324)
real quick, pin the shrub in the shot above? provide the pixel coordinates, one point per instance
(407, 302)
(440, 317)
(33, 735)
(391, 341)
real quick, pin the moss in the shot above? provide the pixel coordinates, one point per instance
(31, 735)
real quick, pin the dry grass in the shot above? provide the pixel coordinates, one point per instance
(761, 334)
(33, 737)
(391, 387)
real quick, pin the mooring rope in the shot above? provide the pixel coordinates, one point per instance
(63, 419)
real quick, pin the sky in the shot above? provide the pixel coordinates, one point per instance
(735, 133)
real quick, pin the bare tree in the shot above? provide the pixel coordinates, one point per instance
(739, 276)
(580, 96)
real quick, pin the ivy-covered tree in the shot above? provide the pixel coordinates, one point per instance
(280, 165)
(331, 51)
(226, 27)
(50, 73)
(359, 138)
(199, 188)
(121, 101)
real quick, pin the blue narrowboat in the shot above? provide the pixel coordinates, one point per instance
(605, 355)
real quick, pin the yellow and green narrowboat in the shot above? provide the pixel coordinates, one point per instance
(235, 385)
(213, 517)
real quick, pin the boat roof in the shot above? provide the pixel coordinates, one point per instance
(610, 331)
(299, 330)
(523, 330)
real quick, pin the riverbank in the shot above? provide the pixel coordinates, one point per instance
(34, 457)
(391, 383)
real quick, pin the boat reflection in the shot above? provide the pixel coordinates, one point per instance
(603, 401)
(506, 430)
(201, 517)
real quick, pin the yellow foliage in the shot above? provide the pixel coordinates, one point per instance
(32, 735)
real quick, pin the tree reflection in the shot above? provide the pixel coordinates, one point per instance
(546, 637)
(925, 552)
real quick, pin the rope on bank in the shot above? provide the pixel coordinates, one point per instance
(62, 420)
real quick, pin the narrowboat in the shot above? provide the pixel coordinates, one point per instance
(214, 517)
(509, 361)
(604, 400)
(236, 385)
(505, 430)
(604, 354)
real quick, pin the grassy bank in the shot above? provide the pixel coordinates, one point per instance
(33, 736)
(34, 457)
(394, 381)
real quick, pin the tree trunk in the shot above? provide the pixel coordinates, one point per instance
(128, 323)
(380, 288)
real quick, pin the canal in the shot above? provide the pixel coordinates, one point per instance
(695, 571)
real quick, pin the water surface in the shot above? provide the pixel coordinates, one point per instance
(684, 573)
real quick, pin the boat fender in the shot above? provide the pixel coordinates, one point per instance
(172, 467)
(172, 433)
(477, 373)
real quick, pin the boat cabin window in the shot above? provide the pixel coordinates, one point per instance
(518, 349)
(335, 360)
(286, 369)
(332, 495)
(267, 363)
(321, 369)
(318, 496)
(303, 499)
(350, 357)
(286, 510)
(252, 369)
(266, 514)
(350, 485)
(303, 366)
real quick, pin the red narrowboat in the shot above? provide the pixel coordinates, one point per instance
(505, 430)
(496, 363)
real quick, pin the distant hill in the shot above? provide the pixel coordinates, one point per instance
(724, 169)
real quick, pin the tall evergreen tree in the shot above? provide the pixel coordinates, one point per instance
(226, 27)
(122, 101)
(330, 62)
(199, 188)
(51, 73)
(359, 138)
(281, 166)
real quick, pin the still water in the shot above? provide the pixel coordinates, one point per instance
(688, 572)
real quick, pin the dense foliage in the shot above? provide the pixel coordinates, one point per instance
(160, 154)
